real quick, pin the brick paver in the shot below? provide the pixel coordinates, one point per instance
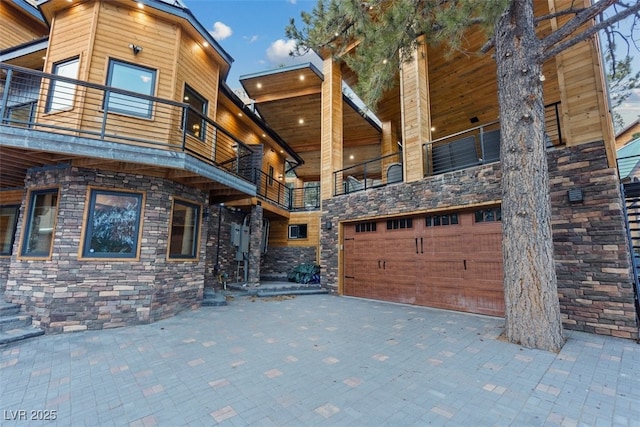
(317, 360)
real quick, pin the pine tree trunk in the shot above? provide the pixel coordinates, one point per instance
(531, 297)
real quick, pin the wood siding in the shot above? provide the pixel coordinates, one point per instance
(17, 27)
(279, 229)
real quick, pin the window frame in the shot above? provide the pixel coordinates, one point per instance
(28, 223)
(10, 229)
(495, 212)
(129, 99)
(66, 101)
(297, 235)
(88, 227)
(195, 245)
(186, 97)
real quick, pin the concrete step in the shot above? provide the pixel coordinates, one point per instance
(8, 309)
(15, 326)
(19, 334)
(213, 298)
(267, 289)
(14, 321)
(279, 292)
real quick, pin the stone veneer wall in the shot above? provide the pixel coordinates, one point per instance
(591, 253)
(225, 253)
(593, 265)
(5, 262)
(280, 260)
(67, 294)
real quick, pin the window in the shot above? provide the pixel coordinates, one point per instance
(438, 220)
(366, 227)
(113, 224)
(395, 224)
(132, 78)
(298, 231)
(488, 215)
(184, 229)
(40, 224)
(8, 222)
(270, 180)
(195, 121)
(61, 94)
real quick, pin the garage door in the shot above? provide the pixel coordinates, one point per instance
(448, 260)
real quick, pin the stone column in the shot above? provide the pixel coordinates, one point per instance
(255, 243)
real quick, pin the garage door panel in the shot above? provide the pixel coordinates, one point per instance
(453, 267)
(440, 269)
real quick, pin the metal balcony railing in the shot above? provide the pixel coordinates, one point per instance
(479, 145)
(373, 173)
(278, 193)
(45, 102)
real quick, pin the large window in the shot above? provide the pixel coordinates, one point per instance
(61, 94)
(40, 223)
(8, 222)
(113, 224)
(132, 78)
(185, 228)
(195, 121)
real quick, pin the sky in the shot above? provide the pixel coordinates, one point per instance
(252, 32)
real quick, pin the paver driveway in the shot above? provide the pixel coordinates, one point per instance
(317, 360)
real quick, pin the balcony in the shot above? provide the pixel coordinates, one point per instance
(293, 199)
(479, 145)
(75, 120)
(374, 173)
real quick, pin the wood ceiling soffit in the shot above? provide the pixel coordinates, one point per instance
(287, 95)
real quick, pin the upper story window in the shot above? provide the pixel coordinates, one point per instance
(62, 94)
(113, 224)
(40, 223)
(8, 223)
(133, 78)
(184, 229)
(195, 114)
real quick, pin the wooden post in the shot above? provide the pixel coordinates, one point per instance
(414, 93)
(331, 128)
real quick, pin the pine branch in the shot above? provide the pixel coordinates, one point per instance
(553, 44)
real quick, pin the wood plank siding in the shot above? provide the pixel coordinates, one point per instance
(279, 228)
(18, 27)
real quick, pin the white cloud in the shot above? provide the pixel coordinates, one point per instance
(220, 31)
(292, 1)
(278, 54)
(251, 39)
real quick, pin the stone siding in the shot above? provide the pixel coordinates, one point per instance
(593, 265)
(66, 293)
(5, 262)
(219, 247)
(281, 260)
(592, 257)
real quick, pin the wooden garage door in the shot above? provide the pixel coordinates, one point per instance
(448, 260)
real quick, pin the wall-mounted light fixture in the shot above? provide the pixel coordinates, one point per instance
(135, 48)
(575, 195)
(328, 225)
